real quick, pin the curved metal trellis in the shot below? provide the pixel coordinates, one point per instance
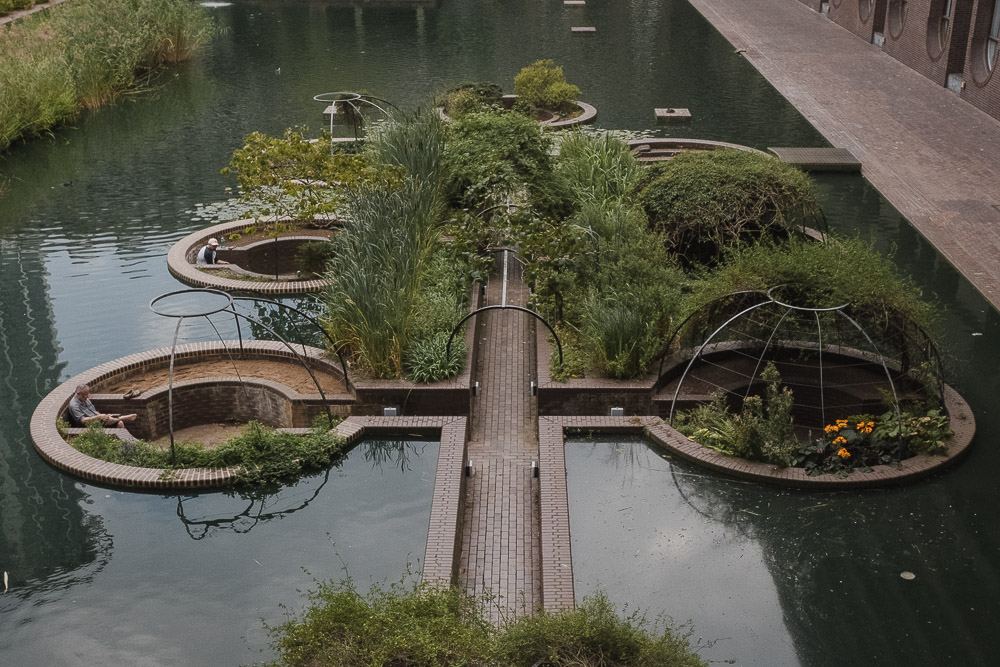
(229, 307)
(484, 308)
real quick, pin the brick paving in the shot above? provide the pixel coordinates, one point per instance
(930, 153)
(500, 552)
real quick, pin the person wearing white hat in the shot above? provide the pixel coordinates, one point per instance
(207, 255)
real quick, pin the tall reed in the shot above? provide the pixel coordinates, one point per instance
(85, 53)
(597, 169)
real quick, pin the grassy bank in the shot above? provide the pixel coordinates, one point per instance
(82, 54)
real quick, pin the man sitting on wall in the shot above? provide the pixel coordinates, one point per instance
(81, 411)
(208, 254)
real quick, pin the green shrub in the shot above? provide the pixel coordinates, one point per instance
(495, 156)
(312, 257)
(821, 275)
(262, 455)
(542, 84)
(470, 98)
(761, 431)
(597, 169)
(594, 634)
(608, 276)
(706, 203)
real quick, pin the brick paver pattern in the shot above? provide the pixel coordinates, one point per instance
(500, 552)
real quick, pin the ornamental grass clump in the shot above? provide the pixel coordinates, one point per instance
(421, 624)
(86, 53)
(707, 203)
(597, 168)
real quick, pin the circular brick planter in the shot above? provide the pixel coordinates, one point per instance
(661, 149)
(182, 255)
(196, 401)
(917, 467)
(587, 114)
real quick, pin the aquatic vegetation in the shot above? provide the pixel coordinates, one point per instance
(85, 53)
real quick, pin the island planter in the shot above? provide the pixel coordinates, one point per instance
(254, 259)
(587, 113)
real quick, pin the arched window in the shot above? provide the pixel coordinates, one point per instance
(993, 40)
(865, 10)
(897, 17)
(944, 23)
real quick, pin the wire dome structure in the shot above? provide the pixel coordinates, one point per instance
(202, 304)
(351, 107)
(836, 360)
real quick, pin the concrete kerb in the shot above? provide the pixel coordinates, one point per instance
(182, 254)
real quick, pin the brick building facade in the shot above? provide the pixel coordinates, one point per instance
(955, 43)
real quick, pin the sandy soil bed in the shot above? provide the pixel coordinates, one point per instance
(210, 435)
(290, 374)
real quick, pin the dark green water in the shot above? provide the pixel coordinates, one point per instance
(106, 577)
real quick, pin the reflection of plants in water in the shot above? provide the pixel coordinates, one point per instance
(288, 324)
(257, 505)
(395, 452)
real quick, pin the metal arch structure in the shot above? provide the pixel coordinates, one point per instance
(228, 308)
(352, 100)
(312, 320)
(519, 308)
(771, 301)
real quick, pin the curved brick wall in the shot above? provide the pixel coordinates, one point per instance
(181, 257)
(197, 401)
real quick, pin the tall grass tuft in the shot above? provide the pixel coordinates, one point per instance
(376, 271)
(597, 169)
(85, 53)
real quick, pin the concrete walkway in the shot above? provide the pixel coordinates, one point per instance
(932, 155)
(500, 551)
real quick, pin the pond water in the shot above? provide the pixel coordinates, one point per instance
(91, 212)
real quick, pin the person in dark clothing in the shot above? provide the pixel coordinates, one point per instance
(82, 411)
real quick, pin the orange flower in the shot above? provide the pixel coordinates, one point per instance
(830, 427)
(843, 453)
(841, 423)
(840, 440)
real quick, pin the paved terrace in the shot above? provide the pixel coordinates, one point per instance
(932, 155)
(500, 539)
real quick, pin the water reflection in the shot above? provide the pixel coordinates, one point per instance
(252, 507)
(768, 572)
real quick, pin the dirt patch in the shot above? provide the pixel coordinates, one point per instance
(209, 435)
(289, 373)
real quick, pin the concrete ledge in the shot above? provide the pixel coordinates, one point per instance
(659, 149)
(181, 257)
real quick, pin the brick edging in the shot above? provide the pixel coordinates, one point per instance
(181, 267)
(963, 424)
(444, 531)
(60, 454)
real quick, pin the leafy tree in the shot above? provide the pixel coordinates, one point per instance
(491, 157)
(295, 177)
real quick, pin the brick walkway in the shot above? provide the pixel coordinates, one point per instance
(931, 154)
(500, 551)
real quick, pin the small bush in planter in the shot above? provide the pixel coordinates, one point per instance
(542, 84)
(705, 203)
(470, 98)
(312, 257)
